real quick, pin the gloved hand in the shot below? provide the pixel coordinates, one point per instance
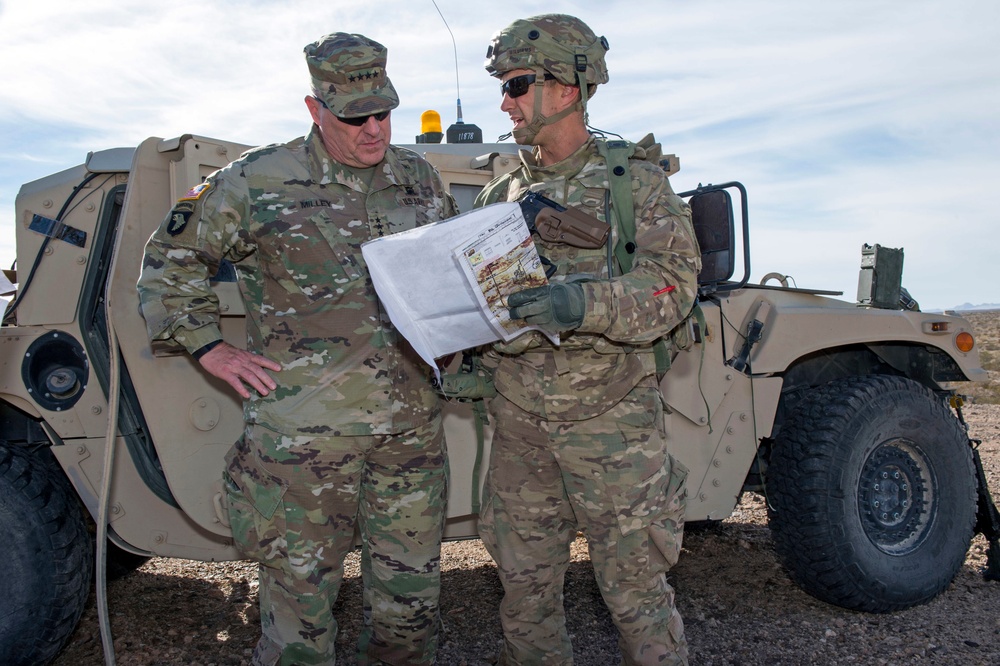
(554, 307)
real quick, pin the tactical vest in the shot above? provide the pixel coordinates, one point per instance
(616, 154)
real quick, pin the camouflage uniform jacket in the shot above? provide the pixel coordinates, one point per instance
(596, 365)
(292, 220)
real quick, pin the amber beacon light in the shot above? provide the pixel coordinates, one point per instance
(430, 127)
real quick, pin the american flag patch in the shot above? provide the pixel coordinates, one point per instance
(195, 192)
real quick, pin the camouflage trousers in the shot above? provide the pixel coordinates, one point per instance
(294, 503)
(611, 478)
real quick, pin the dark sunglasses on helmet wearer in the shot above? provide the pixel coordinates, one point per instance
(519, 85)
(359, 120)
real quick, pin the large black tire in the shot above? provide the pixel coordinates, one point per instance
(872, 494)
(47, 558)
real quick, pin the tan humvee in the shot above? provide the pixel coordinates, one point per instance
(836, 409)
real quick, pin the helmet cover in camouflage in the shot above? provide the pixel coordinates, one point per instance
(348, 75)
(557, 43)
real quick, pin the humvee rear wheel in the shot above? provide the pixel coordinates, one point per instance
(47, 557)
(872, 494)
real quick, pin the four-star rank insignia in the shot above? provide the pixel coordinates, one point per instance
(364, 76)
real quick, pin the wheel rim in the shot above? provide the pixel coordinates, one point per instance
(896, 497)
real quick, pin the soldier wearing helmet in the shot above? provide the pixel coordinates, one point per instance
(579, 440)
(554, 48)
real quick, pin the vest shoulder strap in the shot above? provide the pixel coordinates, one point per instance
(616, 154)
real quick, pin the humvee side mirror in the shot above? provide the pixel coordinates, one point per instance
(715, 228)
(712, 214)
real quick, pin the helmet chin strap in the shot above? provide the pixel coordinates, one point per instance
(538, 119)
(583, 97)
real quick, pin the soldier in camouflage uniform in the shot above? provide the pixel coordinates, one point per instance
(579, 441)
(347, 431)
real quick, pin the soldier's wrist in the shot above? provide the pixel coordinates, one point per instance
(193, 339)
(204, 349)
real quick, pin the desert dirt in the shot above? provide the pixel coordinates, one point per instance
(739, 606)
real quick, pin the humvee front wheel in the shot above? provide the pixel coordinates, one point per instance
(872, 494)
(47, 558)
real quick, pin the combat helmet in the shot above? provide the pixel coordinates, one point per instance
(557, 44)
(562, 45)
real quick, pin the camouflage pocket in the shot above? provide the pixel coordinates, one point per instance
(310, 261)
(402, 218)
(256, 511)
(667, 534)
(651, 520)
(348, 264)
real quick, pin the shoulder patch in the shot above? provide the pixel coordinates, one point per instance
(195, 192)
(179, 217)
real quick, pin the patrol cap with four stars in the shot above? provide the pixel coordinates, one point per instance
(348, 74)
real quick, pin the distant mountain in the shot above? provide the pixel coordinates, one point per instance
(969, 307)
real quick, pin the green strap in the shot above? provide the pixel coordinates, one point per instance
(661, 354)
(616, 154)
(481, 419)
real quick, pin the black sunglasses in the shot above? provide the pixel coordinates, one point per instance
(359, 120)
(519, 85)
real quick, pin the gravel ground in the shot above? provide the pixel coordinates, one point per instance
(739, 606)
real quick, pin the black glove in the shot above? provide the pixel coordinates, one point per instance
(554, 307)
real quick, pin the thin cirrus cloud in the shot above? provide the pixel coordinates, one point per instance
(851, 122)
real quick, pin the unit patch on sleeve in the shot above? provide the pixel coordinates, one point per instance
(179, 217)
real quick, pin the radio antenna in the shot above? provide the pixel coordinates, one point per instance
(454, 45)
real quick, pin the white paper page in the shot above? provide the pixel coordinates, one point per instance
(424, 288)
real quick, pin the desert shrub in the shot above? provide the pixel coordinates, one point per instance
(990, 360)
(990, 394)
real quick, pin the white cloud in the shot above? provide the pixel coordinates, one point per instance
(850, 122)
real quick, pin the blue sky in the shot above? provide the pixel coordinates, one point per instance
(849, 122)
